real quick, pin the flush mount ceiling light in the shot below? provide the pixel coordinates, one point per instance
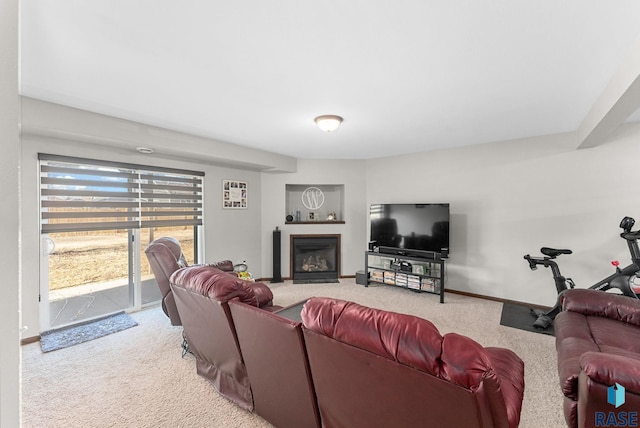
(328, 122)
(144, 150)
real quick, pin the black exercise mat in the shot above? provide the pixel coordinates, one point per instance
(522, 318)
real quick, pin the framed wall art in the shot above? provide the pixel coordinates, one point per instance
(234, 194)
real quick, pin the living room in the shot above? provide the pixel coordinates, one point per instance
(508, 197)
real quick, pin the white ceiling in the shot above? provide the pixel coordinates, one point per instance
(407, 75)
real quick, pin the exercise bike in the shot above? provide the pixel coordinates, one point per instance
(621, 279)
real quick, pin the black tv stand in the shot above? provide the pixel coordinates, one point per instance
(418, 273)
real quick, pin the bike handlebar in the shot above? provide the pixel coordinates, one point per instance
(535, 261)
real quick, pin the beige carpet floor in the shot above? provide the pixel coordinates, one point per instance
(137, 378)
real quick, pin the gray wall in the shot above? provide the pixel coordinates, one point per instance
(9, 217)
(509, 199)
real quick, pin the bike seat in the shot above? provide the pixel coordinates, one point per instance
(554, 252)
(631, 236)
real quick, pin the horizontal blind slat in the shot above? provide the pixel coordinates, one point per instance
(89, 214)
(170, 205)
(84, 227)
(87, 172)
(87, 193)
(170, 213)
(89, 183)
(160, 223)
(88, 204)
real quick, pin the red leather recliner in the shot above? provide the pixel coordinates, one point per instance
(598, 345)
(201, 295)
(374, 368)
(165, 257)
(276, 360)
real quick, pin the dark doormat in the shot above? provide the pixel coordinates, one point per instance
(522, 318)
(79, 333)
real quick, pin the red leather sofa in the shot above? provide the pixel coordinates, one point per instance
(598, 345)
(374, 368)
(342, 365)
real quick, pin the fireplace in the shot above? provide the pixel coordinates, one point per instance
(314, 258)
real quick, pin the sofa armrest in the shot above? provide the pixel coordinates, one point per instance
(600, 304)
(600, 371)
(609, 369)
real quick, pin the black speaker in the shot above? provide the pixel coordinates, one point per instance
(277, 274)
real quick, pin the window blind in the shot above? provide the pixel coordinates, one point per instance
(83, 195)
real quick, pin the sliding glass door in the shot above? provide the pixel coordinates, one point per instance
(97, 218)
(90, 275)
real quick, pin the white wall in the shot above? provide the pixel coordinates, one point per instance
(229, 234)
(350, 173)
(9, 217)
(509, 199)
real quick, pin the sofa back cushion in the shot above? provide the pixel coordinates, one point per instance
(409, 340)
(486, 384)
(165, 257)
(406, 339)
(216, 284)
(593, 303)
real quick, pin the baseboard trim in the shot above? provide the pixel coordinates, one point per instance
(288, 278)
(28, 340)
(462, 293)
(33, 339)
(496, 299)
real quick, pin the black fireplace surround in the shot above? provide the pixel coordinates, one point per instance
(315, 258)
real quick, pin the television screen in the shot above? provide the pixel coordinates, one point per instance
(412, 227)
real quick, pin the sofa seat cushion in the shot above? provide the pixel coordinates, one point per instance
(577, 333)
(221, 286)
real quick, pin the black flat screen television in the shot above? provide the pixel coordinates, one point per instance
(420, 230)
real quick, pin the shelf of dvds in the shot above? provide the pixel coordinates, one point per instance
(415, 273)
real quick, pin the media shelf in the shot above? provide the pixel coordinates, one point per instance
(415, 273)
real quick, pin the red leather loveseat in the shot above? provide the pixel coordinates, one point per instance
(598, 345)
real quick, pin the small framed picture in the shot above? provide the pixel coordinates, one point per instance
(234, 194)
(311, 216)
